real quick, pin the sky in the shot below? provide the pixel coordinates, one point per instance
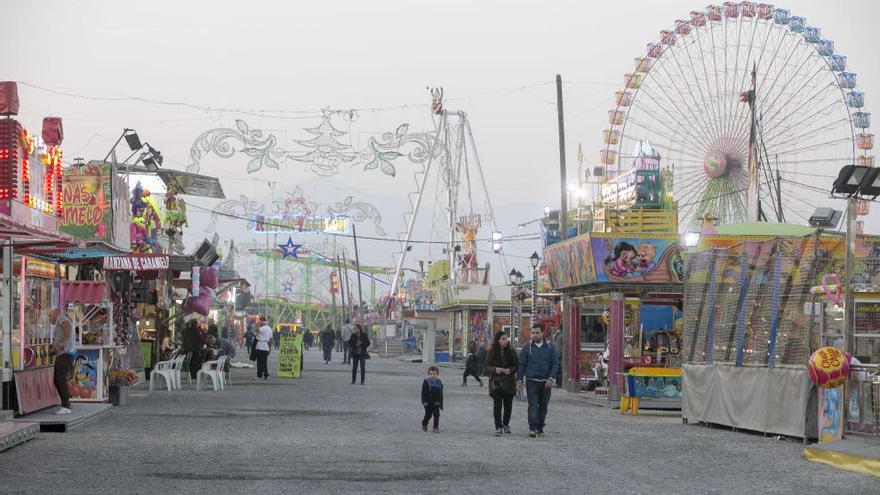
(495, 60)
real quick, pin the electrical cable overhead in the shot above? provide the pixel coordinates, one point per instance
(512, 238)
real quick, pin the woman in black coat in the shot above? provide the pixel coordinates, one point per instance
(501, 366)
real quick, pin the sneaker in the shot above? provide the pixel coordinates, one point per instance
(506, 429)
(533, 434)
(265, 378)
(436, 430)
(424, 427)
(62, 410)
(481, 383)
(540, 434)
(498, 432)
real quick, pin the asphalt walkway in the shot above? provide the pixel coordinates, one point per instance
(320, 434)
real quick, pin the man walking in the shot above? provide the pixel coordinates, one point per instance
(538, 365)
(64, 346)
(327, 338)
(347, 330)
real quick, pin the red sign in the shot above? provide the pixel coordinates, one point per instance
(35, 390)
(137, 262)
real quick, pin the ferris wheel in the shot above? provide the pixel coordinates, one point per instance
(751, 110)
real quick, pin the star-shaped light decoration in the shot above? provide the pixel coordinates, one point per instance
(286, 287)
(289, 249)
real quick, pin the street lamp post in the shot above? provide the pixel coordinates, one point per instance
(533, 259)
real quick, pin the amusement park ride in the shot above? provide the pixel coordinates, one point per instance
(452, 149)
(751, 109)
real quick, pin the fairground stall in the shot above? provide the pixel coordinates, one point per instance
(756, 309)
(30, 211)
(622, 282)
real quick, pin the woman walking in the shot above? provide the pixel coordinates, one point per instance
(358, 344)
(501, 364)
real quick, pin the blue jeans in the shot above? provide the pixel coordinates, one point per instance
(539, 400)
(328, 353)
(346, 353)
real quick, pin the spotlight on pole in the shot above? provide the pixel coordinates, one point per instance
(131, 137)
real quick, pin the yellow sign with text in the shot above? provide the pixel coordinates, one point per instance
(290, 356)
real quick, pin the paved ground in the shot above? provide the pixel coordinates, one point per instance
(320, 434)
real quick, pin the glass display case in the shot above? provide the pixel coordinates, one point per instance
(37, 292)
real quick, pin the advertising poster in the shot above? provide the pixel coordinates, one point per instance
(83, 383)
(570, 263)
(89, 203)
(290, 356)
(830, 414)
(867, 318)
(621, 259)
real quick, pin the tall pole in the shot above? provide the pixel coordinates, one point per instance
(357, 264)
(563, 210)
(348, 288)
(752, 203)
(341, 288)
(849, 294)
(533, 320)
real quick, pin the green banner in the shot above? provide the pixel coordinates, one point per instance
(290, 356)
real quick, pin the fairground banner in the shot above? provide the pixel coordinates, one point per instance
(591, 258)
(137, 262)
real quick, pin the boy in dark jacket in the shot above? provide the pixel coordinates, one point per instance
(432, 398)
(471, 365)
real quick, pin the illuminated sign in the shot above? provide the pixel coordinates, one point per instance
(30, 170)
(39, 268)
(291, 224)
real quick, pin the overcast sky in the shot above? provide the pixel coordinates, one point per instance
(496, 61)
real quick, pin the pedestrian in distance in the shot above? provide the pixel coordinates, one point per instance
(194, 342)
(432, 398)
(327, 338)
(471, 365)
(249, 338)
(358, 346)
(346, 332)
(64, 347)
(276, 339)
(337, 337)
(537, 369)
(261, 348)
(501, 365)
(308, 339)
(213, 331)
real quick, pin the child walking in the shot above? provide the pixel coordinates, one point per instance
(432, 398)
(471, 365)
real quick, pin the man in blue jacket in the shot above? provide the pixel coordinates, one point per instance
(538, 366)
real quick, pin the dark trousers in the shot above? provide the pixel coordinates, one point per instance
(262, 367)
(354, 367)
(63, 369)
(499, 400)
(470, 372)
(195, 363)
(346, 353)
(539, 400)
(431, 410)
(328, 353)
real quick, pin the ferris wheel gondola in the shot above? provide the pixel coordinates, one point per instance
(741, 95)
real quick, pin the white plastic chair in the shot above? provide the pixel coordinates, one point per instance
(214, 371)
(165, 370)
(178, 368)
